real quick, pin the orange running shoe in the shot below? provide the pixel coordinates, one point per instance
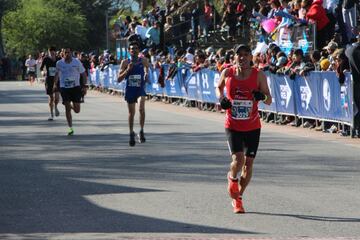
(238, 205)
(233, 187)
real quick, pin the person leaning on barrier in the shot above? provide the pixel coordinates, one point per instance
(136, 72)
(245, 87)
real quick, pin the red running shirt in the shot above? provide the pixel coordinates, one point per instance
(243, 115)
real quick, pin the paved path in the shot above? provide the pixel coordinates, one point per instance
(94, 186)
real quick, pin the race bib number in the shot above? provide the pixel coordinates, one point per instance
(69, 82)
(134, 80)
(31, 69)
(241, 109)
(52, 71)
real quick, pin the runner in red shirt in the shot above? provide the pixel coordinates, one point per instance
(245, 87)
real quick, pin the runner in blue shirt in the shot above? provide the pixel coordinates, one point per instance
(135, 71)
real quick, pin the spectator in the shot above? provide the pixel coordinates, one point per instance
(189, 56)
(168, 30)
(317, 14)
(200, 62)
(208, 17)
(297, 64)
(341, 64)
(349, 18)
(195, 21)
(313, 65)
(353, 54)
(142, 29)
(153, 35)
(230, 19)
(330, 48)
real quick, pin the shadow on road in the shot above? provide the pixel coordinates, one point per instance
(310, 217)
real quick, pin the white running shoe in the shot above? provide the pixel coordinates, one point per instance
(50, 118)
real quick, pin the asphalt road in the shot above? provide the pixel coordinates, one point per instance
(94, 186)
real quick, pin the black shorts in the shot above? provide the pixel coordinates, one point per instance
(240, 141)
(31, 74)
(71, 94)
(49, 85)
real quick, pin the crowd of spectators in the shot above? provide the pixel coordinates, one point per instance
(181, 24)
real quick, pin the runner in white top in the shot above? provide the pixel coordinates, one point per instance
(68, 72)
(30, 64)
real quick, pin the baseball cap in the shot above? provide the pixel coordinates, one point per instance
(242, 47)
(331, 45)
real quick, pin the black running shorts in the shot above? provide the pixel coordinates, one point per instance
(241, 141)
(71, 94)
(49, 85)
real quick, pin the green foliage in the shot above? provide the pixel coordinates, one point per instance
(38, 24)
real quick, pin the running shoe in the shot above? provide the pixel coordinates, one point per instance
(132, 139)
(57, 113)
(141, 137)
(233, 187)
(238, 205)
(50, 118)
(71, 132)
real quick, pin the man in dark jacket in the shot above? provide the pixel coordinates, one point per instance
(353, 54)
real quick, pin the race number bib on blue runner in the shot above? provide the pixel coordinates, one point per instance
(134, 80)
(69, 82)
(241, 109)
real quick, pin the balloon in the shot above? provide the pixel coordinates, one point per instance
(269, 25)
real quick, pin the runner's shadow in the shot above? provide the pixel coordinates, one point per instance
(309, 217)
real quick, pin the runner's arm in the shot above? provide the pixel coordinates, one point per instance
(221, 85)
(123, 70)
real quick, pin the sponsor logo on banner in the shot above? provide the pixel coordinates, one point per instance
(327, 94)
(285, 94)
(205, 83)
(306, 95)
(155, 85)
(216, 79)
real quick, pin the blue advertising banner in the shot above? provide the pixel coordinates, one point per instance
(154, 88)
(317, 95)
(191, 84)
(307, 99)
(207, 85)
(94, 77)
(334, 99)
(173, 87)
(183, 74)
(283, 94)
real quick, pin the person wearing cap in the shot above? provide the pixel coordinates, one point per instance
(330, 48)
(245, 87)
(136, 72)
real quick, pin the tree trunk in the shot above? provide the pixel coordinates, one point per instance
(2, 52)
(143, 5)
